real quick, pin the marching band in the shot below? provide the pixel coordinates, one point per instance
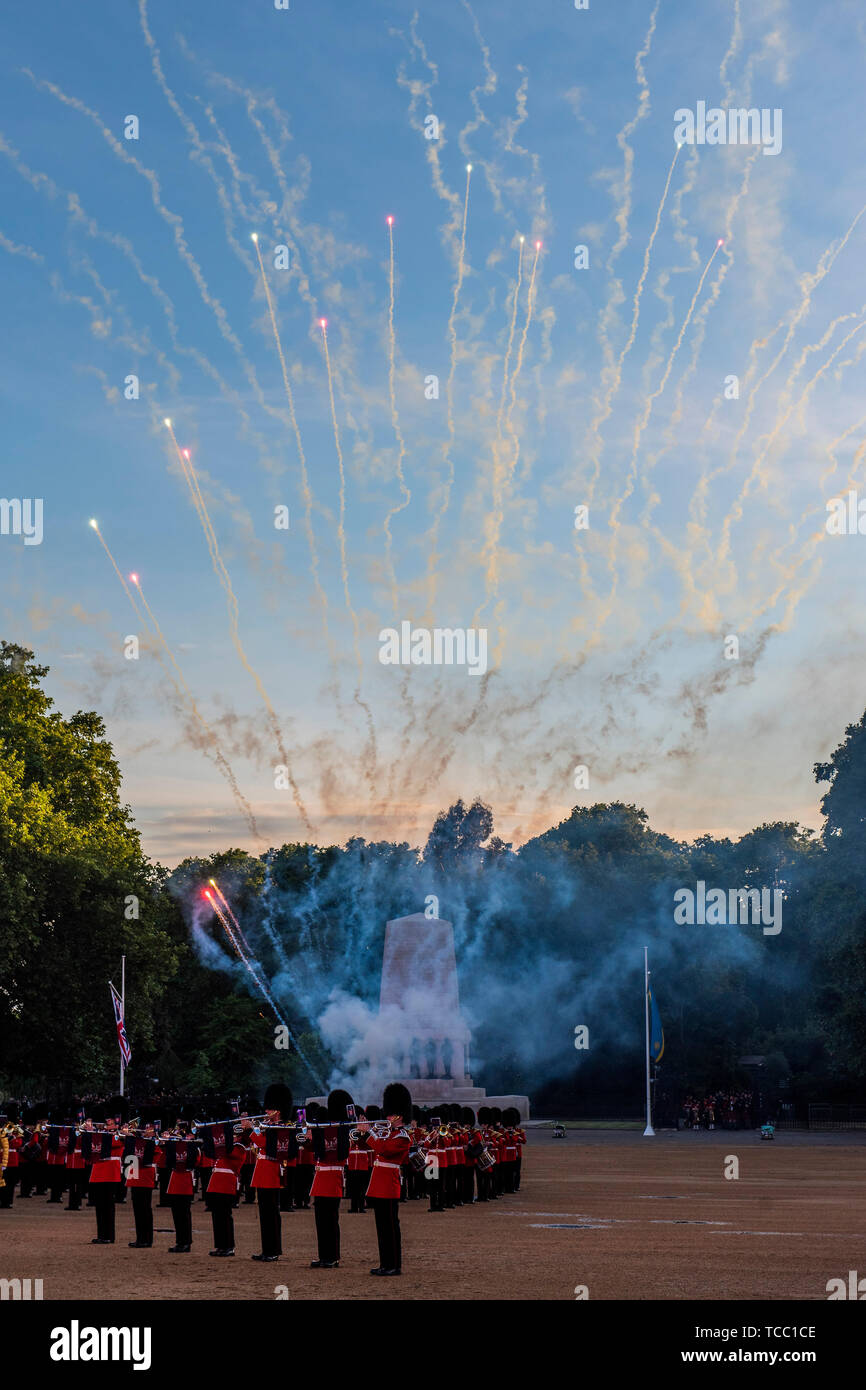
(282, 1159)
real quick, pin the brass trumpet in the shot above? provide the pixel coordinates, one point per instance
(381, 1129)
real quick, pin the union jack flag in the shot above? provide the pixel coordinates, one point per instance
(122, 1040)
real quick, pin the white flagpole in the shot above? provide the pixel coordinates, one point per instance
(649, 1123)
(124, 1009)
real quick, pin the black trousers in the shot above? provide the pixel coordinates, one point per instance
(245, 1177)
(221, 1207)
(142, 1211)
(356, 1188)
(28, 1177)
(302, 1183)
(269, 1220)
(7, 1192)
(56, 1182)
(77, 1187)
(387, 1211)
(287, 1190)
(437, 1194)
(103, 1201)
(327, 1211)
(181, 1215)
(163, 1179)
(517, 1168)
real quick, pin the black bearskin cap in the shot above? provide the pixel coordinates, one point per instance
(312, 1111)
(467, 1115)
(495, 1115)
(279, 1097)
(337, 1102)
(118, 1105)
(511, 1116)
(485, 1114)
(397, 1100)
(373, 1112)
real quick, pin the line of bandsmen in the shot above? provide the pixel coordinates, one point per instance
(284, 1159)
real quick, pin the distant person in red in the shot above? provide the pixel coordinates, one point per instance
(266, 1174)
(383, 1192)
(331, 1147)
(105, 1177)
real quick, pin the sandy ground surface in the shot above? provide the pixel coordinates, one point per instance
(624, 1216)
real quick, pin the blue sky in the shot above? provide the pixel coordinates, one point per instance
(306, 126)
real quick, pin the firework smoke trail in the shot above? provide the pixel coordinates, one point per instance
(808, 283)
(172, 220)
(813, 541)
(448, 461)
(640, 425)
(498, 442)
(222, 575)
(680, 556)
(182, 689)
(395, 420)
(199, 153)
(616, 373)
(615, 297)
(224, 914)
(372, 755)
(736, 512)
(511, 464)
(305, 481)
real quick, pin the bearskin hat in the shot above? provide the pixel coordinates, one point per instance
(416, 1113)
(372, 1112)
(397, 1100)
(337, 1102)
(312, 1111)
(511, 1116)
(467, 1115)
(485, 1115)
(279, 1097)
(495, 1115)
(117, 1105)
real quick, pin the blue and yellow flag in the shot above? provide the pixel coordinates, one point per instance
(657, 1033)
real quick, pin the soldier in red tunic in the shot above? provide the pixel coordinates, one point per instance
(140, 1162)
(181, 1158)
(229, 1155)
(266, 1174)
(331, 1146)
(305, 1169)
(383, 1192)
(105, 1148)
(357, 1174)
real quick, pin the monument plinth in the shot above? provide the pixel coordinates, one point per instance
(425, 1040)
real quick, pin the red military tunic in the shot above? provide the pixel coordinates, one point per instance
(328, 1178)
(74, 1157)
(224, 1176)
(15, 1143)
(144, 1174)
(108, 1169)
(180, 1184)
(389, 1155)
(359, 1159)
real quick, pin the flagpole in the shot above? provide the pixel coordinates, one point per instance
(123, 1005)
(649, 1131)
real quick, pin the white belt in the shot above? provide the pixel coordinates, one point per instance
(380, 1163)
(329, 1167)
